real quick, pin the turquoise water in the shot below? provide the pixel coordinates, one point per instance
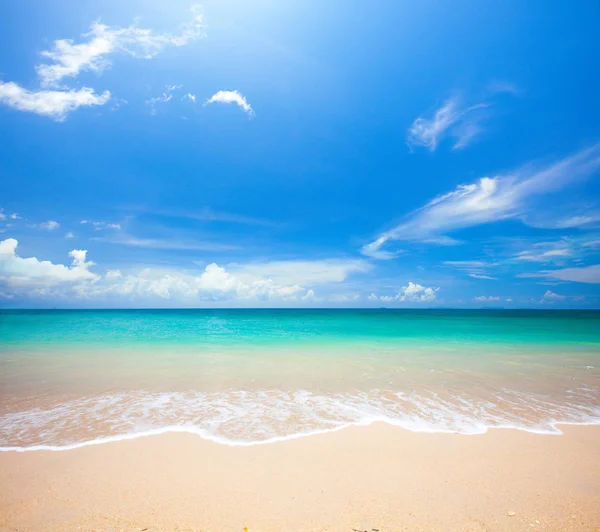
(241, 377)
(235, 327)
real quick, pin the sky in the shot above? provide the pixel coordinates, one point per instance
(299, 154)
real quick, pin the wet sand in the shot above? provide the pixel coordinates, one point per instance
(361, 478)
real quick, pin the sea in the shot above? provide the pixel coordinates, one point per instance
(70, 378)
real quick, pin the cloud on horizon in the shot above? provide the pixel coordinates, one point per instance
(411, 293)
(283, 281)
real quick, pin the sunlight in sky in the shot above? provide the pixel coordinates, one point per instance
(276, 154)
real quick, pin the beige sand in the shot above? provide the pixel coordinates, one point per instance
(363, 478)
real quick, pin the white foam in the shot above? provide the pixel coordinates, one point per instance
(246, 418)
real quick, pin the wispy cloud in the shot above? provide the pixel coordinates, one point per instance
(562, 217)
(584, 274)
(163, 98)
(4, 216)
(469, 263)
(164, 243)
(544, 256)
(591, 244)
(101, 225)
(507, 87)
(50, 225)
(373, 249)
(577, 221)
(210, 215)
(451, 119)
(52, 103)
(232, 97)
(482, 276)
(477, 269)
(488, 200)
(69, 59)
(486, 299)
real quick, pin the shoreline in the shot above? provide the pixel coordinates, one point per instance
(204, 436)
(364, 477)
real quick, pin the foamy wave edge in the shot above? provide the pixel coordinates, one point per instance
(205, 435)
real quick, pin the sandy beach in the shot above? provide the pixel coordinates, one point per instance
(375, 478)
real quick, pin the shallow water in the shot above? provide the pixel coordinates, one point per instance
(253, 376)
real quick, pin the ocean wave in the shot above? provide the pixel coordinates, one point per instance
(243, 418)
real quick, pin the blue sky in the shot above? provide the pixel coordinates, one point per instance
(299, 153)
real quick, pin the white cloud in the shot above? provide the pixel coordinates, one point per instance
(426, 132)
(55, 104)
(308, 272)
(69, 235)
(468, 263)
(231, 97)
(486, 298)
(443, 241)
(577, 221)
(584, 274)
(477, 269)
(101, 225)
(190, 97)
(164, 98)
(452, 119)
(411, 293)
(206, 214)
(552, 295)
(489, 200)
(465, 134)
(163, 243)
(14, 216)
(30, 276)
(50, 225)
(562, 217)
(544, 256)
(282, 281)
(417, 292)
(309, 296)
(373, 250)
(2, 215)
(214, 283)
(17, 271)
(69, 59)
(482, 276)
(344, 298)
